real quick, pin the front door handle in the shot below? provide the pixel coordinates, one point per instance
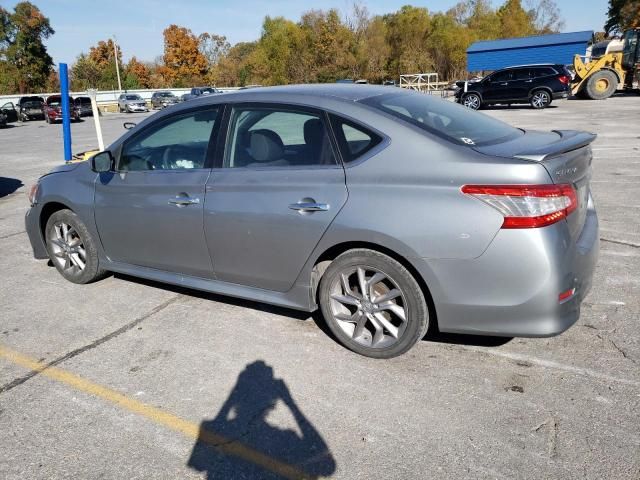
(182, 201)
(504, 84)
(528, 81)
(309, 207)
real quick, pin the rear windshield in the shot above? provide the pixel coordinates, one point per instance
(448, 120)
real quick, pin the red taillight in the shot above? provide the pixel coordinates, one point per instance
(564, 296)
(564, 79)
(527, 206)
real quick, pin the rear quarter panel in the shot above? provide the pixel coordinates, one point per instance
(408, 196)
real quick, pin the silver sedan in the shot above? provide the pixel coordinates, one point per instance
(390, 211)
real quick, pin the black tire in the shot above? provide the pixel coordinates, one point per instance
(540, 99)
(472, 101)
(601, 85)
(66, 259)
(411, 300)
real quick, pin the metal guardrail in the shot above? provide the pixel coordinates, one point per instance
(106, 98)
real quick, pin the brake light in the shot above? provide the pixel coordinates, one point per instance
(564, 79)
(527, 206)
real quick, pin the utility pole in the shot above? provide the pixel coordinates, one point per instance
(115, 51)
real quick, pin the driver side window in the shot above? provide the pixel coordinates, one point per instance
(177, 143)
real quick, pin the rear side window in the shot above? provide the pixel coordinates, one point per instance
(354, 140)
(544, 71)
(448, 120)
(267, 137)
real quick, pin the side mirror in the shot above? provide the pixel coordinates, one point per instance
(102, 162)
(129, 125)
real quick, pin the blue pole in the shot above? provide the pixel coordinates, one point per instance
(66, 112)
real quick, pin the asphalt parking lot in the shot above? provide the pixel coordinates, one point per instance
(130, 379)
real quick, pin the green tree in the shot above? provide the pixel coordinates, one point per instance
(622, 15)
(514, 20)
(407, 33)
(23, 57)
(85, 73)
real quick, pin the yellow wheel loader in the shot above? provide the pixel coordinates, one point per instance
(600, 77)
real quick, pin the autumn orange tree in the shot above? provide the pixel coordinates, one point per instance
(184, 63)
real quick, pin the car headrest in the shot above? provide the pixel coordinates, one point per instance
(266, 146)
(313, 131)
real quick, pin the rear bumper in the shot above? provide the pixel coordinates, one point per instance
(559, 95)
(512, 288)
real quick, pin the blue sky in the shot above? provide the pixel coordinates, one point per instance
(138, 24)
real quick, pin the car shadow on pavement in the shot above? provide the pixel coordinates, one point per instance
(9, 185)
(433, 335)
(241, 442)
(523, 106)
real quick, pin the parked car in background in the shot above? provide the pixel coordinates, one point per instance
(83, 105)
(131, 102)
(30, 108)
(537, 85)
(387, 209)
(163, 99)
(200, 91)
(52, 109)
(8, 113)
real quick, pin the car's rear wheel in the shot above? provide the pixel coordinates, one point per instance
(372, 304)
(540, 99)
(71, 248)
(472, 101)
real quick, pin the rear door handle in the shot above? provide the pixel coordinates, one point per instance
(309, 207)
(528, 81)
(504, 84)
(181, 201)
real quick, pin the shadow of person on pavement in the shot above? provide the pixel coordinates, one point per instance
(240, 442)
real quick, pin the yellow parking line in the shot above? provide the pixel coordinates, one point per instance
(156, 415)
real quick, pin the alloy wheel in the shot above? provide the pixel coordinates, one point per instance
(369, 306)
(540, 99)
(68, 249)
(472, 101)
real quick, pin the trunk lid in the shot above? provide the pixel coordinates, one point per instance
(565, 154)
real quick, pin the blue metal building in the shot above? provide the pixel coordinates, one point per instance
(555, 48)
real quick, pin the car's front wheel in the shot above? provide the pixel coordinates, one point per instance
(71, 248)
(472, 101)
(540, 99)
(373, 304)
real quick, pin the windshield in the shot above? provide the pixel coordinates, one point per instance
(446, 119)
(133, 97)
(207, 90)
(166, 94)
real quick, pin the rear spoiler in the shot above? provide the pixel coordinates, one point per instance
(569, 140)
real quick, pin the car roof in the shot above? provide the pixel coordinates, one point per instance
(532, 65)
(318, 91)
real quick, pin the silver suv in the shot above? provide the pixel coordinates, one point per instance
(131, 102)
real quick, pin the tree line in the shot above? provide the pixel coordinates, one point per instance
(322, 46)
